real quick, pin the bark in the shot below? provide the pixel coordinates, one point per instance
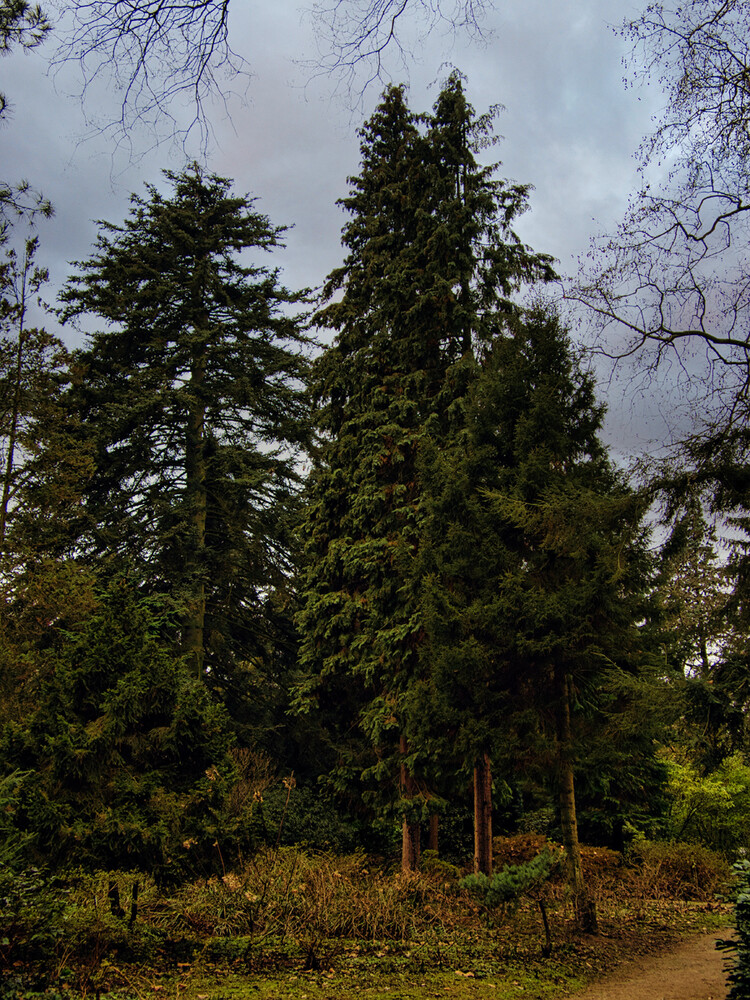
(195, 483)
(15, 416)
(434, 832)
(410, 830)
(483, 814)
(585, 907)
(12, 432)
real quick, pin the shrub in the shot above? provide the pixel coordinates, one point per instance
(739, 974)
(675, 870)
(512, 881)
(291, 893)
(74, 917)
(712, 809)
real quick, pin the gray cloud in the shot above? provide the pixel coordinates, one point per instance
(570, 129)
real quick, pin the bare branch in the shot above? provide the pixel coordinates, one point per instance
(674, 280)
(354, 35)
(153, 52)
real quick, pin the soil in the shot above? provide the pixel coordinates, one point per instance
(691, 970)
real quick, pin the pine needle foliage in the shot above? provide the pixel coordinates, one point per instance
(122, 760)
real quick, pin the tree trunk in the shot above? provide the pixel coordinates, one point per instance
(585, 907)
(15, 415)
(410, 830)
(12, 434)
(195, 484)
(483, 814)
(434, 831)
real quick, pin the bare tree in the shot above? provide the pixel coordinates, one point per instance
(354, 35)
(153, 52)
(156, 52)
(673, 284)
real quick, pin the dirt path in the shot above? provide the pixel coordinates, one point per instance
(694, 970)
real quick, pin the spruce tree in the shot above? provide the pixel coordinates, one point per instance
(192, 395)
(423, 284)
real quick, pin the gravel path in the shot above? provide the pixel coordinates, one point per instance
(694, 970)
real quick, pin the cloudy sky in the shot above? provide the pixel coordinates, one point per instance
(571, 128)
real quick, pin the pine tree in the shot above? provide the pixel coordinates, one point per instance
(192, 396)
(423, 284)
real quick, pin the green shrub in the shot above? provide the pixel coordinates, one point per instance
(76, 919)
(512, 882)
(302, 816)
(432, 864)
(30, 915)
(712, 809)
(739, 975)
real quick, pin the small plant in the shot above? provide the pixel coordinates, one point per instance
(434, 865)
(513, 882)
(739, 976)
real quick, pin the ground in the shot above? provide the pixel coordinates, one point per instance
(693, 970)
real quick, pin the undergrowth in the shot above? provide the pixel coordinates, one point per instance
(292, 912)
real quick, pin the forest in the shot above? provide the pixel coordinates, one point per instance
(352, 575)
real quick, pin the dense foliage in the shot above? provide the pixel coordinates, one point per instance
(394, 596)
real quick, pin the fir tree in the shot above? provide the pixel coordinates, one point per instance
(191, 395)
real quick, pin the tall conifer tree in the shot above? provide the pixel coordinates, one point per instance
(192, 394)
(534, 571)
(570, 597)
(424, 283)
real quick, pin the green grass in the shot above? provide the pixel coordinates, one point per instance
(504, 981)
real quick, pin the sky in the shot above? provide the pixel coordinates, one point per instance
(288, 137)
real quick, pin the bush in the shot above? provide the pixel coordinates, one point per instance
(519, 847)
(306, 818)
(30, 916)
(739, 975)
(712, 809)
(75, 918)
(674, 870)
(294, 894)
(512, 881)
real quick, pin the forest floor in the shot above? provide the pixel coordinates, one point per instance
(299, 926)
(673, 957)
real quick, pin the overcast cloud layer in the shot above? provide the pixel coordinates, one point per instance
(571, 128)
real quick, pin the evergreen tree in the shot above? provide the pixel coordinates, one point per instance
(423, 283)
(125, 753)
(704, 641)
(523, 595)
(569, 600)
(32, 372)
(192, 398)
